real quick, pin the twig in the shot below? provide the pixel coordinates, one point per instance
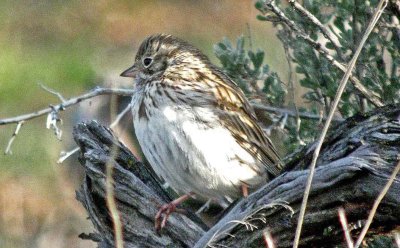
(376, 203)
(342, 85)
(204, 207)
(291, 113)
(125, 92)
(58, 94)
(14, 135)
(53, 117)
(111, 203)
(269, 242)
(120, 115)
(66, 155)
(52, 112)
(325, 32)
(292, 101)
(370, 95)
(345, 227)
(68, 103)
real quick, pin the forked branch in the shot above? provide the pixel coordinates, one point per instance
(354, 165)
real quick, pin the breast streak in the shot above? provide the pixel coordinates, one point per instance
(192, 156)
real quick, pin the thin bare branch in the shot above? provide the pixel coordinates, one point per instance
(120, 115)
(292, 100)
(14, 135)
(52, 113)
(58, 94)
(291, 113)
(125, 92)
(269, 242)
(345, 227)
(342, 85)
(368, 94)
(111, 202)
(65, 155)
(325, 32)
(376, 204)
(67, 103)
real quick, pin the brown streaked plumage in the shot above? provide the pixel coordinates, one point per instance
(195, 125)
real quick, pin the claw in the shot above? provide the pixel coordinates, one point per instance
(163, 214)
(160, 220)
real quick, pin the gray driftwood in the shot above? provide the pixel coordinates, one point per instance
(354, 165)
(138, 194)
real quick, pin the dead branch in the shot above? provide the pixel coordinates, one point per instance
(67, 103)
(53, 113)
(138, 194)
(126, 92)
(355, 163)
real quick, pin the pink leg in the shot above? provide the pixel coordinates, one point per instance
(245, 190)
(166, 209)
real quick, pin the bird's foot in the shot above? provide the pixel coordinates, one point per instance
(166, 209)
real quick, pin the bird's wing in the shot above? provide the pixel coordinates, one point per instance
(239, 118)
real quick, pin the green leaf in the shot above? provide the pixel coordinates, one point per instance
(330, 45)
(256, 58)
(259, 5)
(262, 18)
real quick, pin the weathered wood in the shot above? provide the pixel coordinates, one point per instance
(354, 165)
(138, 194)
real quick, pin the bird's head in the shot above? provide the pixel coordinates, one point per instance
(164, 55)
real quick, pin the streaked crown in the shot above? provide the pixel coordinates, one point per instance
(161, 52)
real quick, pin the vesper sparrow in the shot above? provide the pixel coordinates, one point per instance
(195, 126)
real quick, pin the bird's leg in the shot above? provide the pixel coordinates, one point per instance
(204, 207)
(245, 190)
(166, 209)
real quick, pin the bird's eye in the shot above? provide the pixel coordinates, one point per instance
(147, 61)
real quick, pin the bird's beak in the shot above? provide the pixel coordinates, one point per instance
(130, 72)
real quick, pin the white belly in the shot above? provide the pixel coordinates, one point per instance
(196, 157)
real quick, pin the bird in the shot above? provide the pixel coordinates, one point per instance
(195, 126)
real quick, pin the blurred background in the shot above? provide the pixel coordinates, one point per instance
(71, 47)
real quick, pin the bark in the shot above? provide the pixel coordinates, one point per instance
(354, 165)
(137, 192)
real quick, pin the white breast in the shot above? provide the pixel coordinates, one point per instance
(192, 156)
